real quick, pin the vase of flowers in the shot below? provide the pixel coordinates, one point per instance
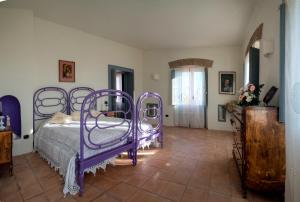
(249, 95)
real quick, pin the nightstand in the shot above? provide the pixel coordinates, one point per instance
(6, 150)
(109, 113)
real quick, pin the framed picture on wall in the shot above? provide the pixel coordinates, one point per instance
(66, 71)
(152, 109)
(221, 113)
(227, 83)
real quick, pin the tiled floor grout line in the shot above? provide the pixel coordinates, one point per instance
(141, 187)
(107, 191)
(37, 179)
(186, 186)
(156, 194)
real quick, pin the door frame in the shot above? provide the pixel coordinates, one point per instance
(121, 69)
(114, 68)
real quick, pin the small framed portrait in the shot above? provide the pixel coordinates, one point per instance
(221, 113)
(227, 83)
(152, 109)
(66, 71)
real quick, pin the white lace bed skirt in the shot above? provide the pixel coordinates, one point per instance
(71, 185)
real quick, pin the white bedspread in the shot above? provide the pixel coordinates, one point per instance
(59, 144)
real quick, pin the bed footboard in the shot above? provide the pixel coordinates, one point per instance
(92, 127)
(149, 109)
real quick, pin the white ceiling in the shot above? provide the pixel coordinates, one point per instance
(150, 24)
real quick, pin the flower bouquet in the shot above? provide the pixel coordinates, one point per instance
(249, 95)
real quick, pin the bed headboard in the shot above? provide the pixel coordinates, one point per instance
(76, 97)
(47, 101)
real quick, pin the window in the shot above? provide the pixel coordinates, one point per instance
(188, 86)
(189, 97)
(251, 71)
(246, 70)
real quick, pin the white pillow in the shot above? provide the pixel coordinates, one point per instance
(60, 118)
(59, 115)
(75, 116)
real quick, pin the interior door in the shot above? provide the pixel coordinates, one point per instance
(128, 82)
(111, 85)
(127, 86)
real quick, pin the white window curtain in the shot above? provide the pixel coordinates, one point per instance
(189, 97)
(292, 115)
(246, 70)
(119, 85)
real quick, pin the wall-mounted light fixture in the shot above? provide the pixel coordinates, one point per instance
(267, 47)
(155, 77)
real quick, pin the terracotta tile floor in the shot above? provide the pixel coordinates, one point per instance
(194, 165)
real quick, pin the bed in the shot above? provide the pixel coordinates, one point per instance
(94, 140)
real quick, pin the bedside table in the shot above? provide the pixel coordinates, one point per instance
(110, 113)
(6, 150)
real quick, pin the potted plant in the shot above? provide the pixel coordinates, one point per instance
(249, 95)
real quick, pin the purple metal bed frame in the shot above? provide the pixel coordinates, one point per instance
(40, 106)
(66, 103)
(76, 98)
(85, 134)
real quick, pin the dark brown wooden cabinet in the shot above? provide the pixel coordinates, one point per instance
(6, 150)
(259, 148)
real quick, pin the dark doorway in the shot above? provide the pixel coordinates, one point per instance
(254, 66)
(120, 78)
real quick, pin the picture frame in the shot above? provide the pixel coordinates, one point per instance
(227, 82)
(221, 113)
(66, 71)
(152, 109)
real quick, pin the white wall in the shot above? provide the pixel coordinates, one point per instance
(267, 12)
(29, 53)
(225, 59)
(17, 65)
(92, 55)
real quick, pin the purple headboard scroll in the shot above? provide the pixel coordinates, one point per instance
(76, 97)
(47, 101)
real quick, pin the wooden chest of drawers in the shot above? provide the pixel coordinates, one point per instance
(259, 148)
(6, 149)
